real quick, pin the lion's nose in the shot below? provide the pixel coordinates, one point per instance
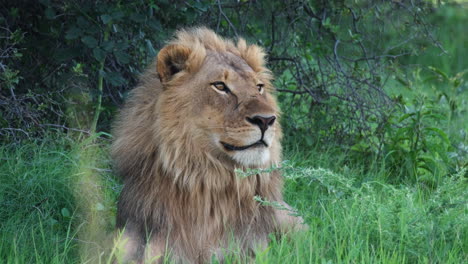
(262, 122)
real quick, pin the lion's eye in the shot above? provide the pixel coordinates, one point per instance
(260, 87)
(220, 86)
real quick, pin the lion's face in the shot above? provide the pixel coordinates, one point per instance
(228, 108)
(238, 114)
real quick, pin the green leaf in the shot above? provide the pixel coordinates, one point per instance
(155, 24)
(360, 147)
(121, 45)
(114, 78)
(108, 45)
(65, 212)
(122, 57)
(53, 222)
(201, 6)
(435, 116)
(139, 18)
(49, 13)
(106, 18)
(150, 48)
(403, 82)
(118, 15)
(73, 33)
(405, 116)
(82, 23)
(89, 41)
(438, 71)
(440, 133)
(99, 54)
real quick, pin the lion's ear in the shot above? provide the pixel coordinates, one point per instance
(171, 60)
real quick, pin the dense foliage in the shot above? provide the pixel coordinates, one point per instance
(69, 65)
(333, 57)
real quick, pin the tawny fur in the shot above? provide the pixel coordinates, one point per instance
(181, 195)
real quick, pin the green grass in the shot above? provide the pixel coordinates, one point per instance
(370, 221)
(354, 216)
(34, 187)
(50, 202)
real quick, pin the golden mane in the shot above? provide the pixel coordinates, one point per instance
(203, 39)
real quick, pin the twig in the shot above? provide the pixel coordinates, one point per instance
(66, 128)
(227, 19)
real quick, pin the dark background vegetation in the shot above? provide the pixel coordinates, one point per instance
(373, 90)
(69, 65)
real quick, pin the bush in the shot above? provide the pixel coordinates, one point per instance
(87, 54)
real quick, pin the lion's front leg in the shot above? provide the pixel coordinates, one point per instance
(286, 221)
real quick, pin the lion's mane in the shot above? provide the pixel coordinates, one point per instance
(173, 190)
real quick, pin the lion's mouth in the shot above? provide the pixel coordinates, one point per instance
(259, 143)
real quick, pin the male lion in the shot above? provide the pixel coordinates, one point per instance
(202, 111)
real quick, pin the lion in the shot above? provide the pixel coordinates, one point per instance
(201, 112)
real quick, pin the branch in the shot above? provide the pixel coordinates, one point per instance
(227, 19)
(291, 91)
(66, 128)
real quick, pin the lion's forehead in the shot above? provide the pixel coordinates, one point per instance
(230, 61)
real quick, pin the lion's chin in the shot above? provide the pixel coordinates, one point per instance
(252, 157)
